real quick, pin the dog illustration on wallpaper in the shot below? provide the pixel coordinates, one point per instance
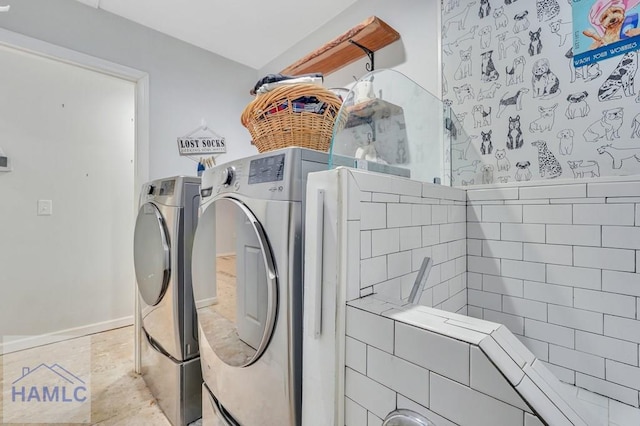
(565, 137)
(446, 48)
(481, 117)
(487, 174)
(547, 9)
(502, 162)
(577, 107)
(608, 17)
(485, 37)
(463, 92)
(505, 44)
(451, 4)
(587, 72)
(607, 127)
(535, 43)
(618, 155)
(545, 83)
(460, 19)
(548, 165)
(622, 78)
(464, 69)
(522, 171)
(463, 147)
(469, 35)
(488, 69)
(545, 121)
(503, 179)
(490, 92)
(561, 29)
(514, 134)
(486, 146)
(581, 170)
(468, 168)
(500, 18)
(635, 126)
(514, 100)
(521, 22)
(515, 75)
(485, 9)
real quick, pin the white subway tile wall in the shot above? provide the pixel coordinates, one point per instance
(398, 231)
(579, 307)
(426, 372)
(450, 368)
(557, 264)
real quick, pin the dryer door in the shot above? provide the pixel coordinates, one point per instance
(151, 254)
(234, 282)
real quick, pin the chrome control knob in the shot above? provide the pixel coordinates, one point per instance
(228, 175)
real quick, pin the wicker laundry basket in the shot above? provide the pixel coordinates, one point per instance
(292, 115)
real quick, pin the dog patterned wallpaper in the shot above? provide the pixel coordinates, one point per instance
(528, 112)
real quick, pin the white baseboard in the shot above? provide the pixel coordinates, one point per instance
(206, 302)
(29, 342)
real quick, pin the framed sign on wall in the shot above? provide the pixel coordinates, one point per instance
(202, 141)
(603, 29)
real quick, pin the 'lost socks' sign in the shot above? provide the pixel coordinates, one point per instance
(202, 145)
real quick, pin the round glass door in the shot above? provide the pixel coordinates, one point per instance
(151, 254)
(234, 282)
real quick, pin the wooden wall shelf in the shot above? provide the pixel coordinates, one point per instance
(374, 34)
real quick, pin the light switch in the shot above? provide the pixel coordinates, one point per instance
(45, 207)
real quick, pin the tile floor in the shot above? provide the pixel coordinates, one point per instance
(120, 397)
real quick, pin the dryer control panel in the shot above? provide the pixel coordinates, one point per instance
(266, 169)
(275, 175)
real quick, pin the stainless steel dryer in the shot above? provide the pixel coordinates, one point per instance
(248, 247)
(170, 361)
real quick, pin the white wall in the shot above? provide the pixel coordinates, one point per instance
(416, 54)
(69, 133)
(187, 83)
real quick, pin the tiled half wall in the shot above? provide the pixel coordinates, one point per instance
(394, 229)
(555, 263)
(450, 368)
(558, 265)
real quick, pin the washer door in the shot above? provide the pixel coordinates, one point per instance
(232, 264)
(151, 254)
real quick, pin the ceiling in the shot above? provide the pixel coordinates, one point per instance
(251, 32)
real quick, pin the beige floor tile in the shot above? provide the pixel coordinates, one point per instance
(118, 395)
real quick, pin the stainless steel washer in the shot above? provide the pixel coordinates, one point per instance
(170, 361)
(248, 248)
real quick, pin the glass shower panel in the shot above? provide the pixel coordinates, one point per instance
(392, 122)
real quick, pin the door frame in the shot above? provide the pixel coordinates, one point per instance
(72, 57)
(141, 153)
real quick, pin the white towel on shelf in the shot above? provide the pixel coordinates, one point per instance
(270, 86)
